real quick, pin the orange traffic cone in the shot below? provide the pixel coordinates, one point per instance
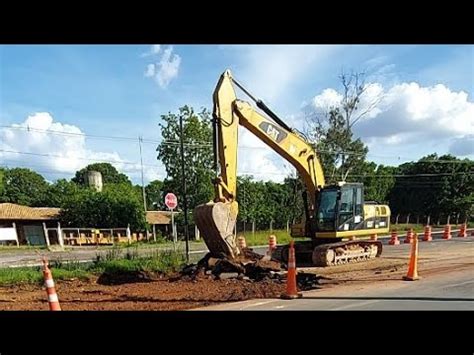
(462, 231)
(50, 290)
(412, 274)
(272, 241)
(373, 236)
(291, 290)
(427, 236)
(353, 237)
(447, 232)
(409, 238)
(394, 238)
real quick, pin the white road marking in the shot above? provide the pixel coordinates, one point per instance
(257, 304)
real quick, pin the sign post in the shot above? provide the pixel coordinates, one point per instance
(172, 202)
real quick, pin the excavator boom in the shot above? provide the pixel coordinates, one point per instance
(216, 220)
(332, 212)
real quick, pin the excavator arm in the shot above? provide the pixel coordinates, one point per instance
(216, 220)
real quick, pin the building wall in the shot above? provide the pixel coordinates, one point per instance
(22, 233)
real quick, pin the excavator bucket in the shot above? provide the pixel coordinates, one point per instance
(216, 222)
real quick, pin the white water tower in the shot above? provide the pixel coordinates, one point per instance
(94, 180)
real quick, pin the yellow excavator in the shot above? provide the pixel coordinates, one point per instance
(333, 213)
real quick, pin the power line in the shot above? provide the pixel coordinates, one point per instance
(156, 166)
(206, 145)
(242, 173)
(41, 171)
(79, 158)
(73, 134)
(209, 144)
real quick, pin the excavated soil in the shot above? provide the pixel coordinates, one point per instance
(196, 288)
(151, 295)
(209, 282)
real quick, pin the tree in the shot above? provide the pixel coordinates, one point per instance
(331, 130)
(436, 186)
(340, 153)
(24, 187)
(253, 202)
(116, 206)
(154, 195)
(110, 175)
(2, 182)
(293, 205)
(198, 156)
(378, 180)
(355, 88)
(59, 192)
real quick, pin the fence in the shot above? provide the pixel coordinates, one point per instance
(438, 220)
(90, 236)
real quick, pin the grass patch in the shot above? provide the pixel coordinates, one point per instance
(419, 228)
(139, 269)
(113, 263)
(165, 261)
(34, 275)
(261, 237)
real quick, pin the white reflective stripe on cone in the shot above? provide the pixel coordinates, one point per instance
(291, 265)
(49, 283)
(53, 298)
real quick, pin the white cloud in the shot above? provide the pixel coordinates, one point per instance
(166, 67)
(435, 111)
(420, 118)
(150, 70)
(409, 108)
(327, 99)
(58, 153)
(154, 49)
(257, 159)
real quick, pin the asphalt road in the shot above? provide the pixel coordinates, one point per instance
(450, 291)
(447, 283)
(22, 257)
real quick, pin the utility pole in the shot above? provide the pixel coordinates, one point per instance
(143, 183)
(185, 203)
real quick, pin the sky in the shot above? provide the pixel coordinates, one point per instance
(86, 94)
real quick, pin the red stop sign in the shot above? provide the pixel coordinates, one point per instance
(171, 201)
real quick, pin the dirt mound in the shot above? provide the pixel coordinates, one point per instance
(164, 294)
(248, 264)
(115, 278)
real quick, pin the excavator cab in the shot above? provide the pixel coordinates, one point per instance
(340, 207)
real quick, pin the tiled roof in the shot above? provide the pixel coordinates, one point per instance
(158, 217)
(14, 211)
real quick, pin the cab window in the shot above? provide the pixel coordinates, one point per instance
(347, 201)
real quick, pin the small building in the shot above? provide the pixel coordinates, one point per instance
(26, 224)
(159, 220)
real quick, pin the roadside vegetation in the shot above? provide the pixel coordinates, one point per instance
(112, 263)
